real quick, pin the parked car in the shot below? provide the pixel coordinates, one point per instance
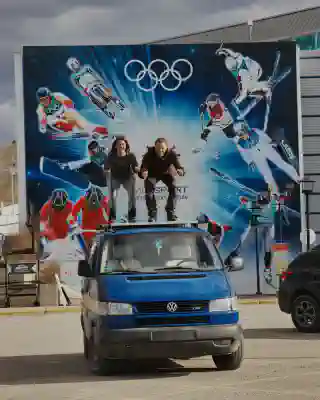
(299, 291)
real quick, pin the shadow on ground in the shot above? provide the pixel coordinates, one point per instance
(67, 368)
(279, 333)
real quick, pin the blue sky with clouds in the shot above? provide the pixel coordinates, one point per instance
(40, 22)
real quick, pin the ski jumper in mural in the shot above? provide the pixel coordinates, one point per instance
(57, 114)
(254, 146)
(91, 84)
(251, 86)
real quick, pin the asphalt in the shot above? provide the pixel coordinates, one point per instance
(41, 358)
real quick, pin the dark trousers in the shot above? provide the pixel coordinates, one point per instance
(130, 186)
(149, 187)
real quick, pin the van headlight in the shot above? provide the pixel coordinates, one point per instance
(111, 308)
(227, 304)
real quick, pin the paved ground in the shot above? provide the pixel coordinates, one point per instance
(40, 359)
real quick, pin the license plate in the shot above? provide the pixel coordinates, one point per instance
(173, 336)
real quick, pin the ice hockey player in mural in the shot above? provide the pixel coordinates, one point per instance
(54, 216)
(91, 210)
(160, 163)
(254, 145)
(91, 84)
(122, 167)
(248, 74)
(58, 117)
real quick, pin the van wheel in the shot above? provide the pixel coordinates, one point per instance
(97, 364)
(305, 314)
(85, 347)
(230, 362)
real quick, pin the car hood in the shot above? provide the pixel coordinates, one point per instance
(164, 287)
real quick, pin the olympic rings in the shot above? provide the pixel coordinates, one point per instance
(154, 78)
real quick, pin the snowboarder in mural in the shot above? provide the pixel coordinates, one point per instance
(91, 84)
(80, 173)
(58, 116)
(248, 74)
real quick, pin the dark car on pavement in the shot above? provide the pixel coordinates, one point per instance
(299, 291)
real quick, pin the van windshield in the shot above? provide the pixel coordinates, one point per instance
(158, 252)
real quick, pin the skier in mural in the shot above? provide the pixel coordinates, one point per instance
(216, 112)
(264, 205)
(94, 210)
(57, 115)
(160, 163)
(254, 145)
(54, 216)
(248, 74)
(90, 83)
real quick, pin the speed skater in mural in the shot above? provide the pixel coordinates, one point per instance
(254, 145)
(58, 117)
(91, 84)
(92, 210)
(54, 216)
(248, 74)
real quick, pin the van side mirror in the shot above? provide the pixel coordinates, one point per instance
(84, 269)
(234, 264)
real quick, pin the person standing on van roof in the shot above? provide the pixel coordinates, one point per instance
(160, 164)
(122, 165)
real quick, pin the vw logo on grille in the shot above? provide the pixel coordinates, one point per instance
(172, 307)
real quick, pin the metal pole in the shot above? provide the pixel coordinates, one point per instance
(308, 220)
(250, 29)
(257, 261)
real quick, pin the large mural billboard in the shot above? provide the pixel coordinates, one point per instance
(165, 132)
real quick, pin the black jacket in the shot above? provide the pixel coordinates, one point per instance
(158, 166)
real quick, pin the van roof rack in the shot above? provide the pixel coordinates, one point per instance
(132, 225)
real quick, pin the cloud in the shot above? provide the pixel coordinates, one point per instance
(38, 22)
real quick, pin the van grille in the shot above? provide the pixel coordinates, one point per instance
(183, 307)
(143, 322)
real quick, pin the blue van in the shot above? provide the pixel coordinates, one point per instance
(158, 291)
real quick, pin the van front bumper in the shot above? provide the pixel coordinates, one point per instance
(181, 342)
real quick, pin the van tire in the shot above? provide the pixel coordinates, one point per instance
(98, 365)
(85, 347)
(230, 362)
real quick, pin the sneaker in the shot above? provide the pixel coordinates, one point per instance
(171, 217)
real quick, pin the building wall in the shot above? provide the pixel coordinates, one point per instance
(310, 104)
(268, 29)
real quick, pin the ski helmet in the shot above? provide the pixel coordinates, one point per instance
(231, 63)
(73, 64)
(212, 98)
(93, 145)
(43, 92)
(59, 198)
(94, 196)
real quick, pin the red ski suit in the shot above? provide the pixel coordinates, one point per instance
(91, 218)
(54, 224)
